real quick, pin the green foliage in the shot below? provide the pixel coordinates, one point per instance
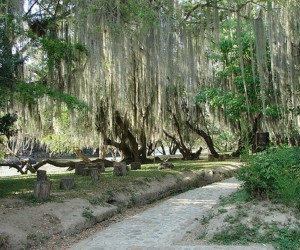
(31, 92)
(130, 13)
(58, 50)
(237, 234)
(274, 174)
(233, 103)
(7, 130)
(7, 125)
(241, 234)
(88, 213)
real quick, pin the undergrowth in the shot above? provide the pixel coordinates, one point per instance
(274, 174)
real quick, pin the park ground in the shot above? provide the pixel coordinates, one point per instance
(74, 215)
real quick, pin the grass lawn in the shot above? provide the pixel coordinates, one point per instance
(21, 186)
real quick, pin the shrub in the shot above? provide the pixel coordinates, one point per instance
(273, 174)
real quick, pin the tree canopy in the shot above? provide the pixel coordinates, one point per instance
(139, 72)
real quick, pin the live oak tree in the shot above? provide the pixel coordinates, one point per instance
(139, 65)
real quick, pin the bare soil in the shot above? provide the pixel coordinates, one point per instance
(260, 218)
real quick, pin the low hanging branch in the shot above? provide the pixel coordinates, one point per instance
(25, 165)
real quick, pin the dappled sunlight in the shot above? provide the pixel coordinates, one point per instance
(188, 202)
(223, 185)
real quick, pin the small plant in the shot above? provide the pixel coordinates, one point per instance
(31, 236)
(97, 201)
(235, 234)
(134, 199)
(121, 207)
(38, 238)
(205, 219)
(231, 219)
(4, 241)
(222, 210)
(110, 194)
(88, 213)
(237, 197)
(202, 236)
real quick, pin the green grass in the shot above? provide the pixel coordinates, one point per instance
(21, 186)
(241, 234)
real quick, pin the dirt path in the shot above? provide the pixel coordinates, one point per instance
(164, 226)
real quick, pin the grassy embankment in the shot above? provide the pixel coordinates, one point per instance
(21, 186)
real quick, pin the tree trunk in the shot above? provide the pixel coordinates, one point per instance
(41, 175)
(42, 189)
(209, 142)
(95, 173)
(79, 167)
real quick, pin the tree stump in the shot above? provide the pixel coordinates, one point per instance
(135, 165)
(95, 173)
(86, 171)
(42, 189)
(41, 175)
(120, 169)
(67, 183)
(79, 168)
(98, 165)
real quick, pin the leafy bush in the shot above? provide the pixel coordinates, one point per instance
(274, 174)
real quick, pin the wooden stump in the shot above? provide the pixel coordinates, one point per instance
(41, 175)
(98, 165)
(42, 189)
(67, 183)
(120, 169)
(79, 168)
(135, 165)
(95, 173)
(86, 171)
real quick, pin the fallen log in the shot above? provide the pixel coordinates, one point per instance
(14, 165)
(32, 168)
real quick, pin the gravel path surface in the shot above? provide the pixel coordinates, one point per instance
(164, 226)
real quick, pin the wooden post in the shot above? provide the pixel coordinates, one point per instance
(42, 189)
(120, 169)
(41, 175)
(135, 165)
(79, 167)
(99, 165)
(67, 183)
(95, 173)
